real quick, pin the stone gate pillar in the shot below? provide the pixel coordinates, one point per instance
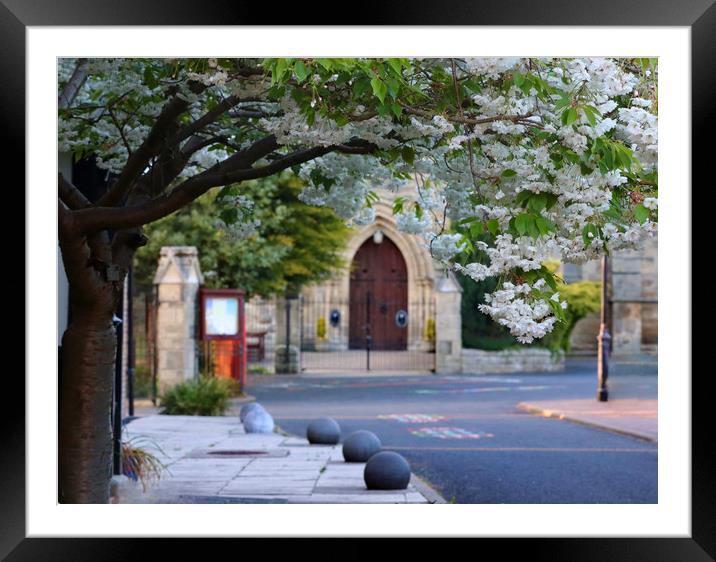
(176, 286)
(448, 324)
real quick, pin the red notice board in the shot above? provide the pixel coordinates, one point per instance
(221, 317)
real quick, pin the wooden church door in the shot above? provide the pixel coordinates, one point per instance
(379, 297)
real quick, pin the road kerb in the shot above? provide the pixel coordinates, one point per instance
(425, 490)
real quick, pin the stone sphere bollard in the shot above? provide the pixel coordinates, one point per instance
(360, 445)
(387, 471)
(258, 421)
(323, 431)
(246, 409)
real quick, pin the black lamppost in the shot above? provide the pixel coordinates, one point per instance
(603, 340)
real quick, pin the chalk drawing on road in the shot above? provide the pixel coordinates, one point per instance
(413, 418)
(448, 433)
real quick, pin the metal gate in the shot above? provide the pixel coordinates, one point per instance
(370, 334)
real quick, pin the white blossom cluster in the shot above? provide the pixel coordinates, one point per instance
(480, 166)
(528, 317)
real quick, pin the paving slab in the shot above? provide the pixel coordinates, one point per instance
(634, 417)
(212, 460)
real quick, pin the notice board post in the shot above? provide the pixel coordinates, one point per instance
(223, 322)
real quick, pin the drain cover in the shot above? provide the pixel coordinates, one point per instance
(210, 453)
(238, 453)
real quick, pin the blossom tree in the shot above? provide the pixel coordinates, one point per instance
(528, 158)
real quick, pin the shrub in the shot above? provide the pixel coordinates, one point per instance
(204, 396)
(583, 298)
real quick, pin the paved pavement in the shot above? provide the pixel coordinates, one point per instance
(212, 460)
(634, 417)
(467, 437)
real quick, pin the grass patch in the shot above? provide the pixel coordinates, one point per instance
(258, 370)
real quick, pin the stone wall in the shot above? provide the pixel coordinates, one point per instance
(633, 292)
(478, 361)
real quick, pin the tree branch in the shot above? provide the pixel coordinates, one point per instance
(152, 145)
(518, 119)
(69, 92)
(98, 218)
(209, 117)
(70, 195)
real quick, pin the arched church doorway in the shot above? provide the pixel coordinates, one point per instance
(378, 297)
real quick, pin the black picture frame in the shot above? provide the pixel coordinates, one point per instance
(699, 15)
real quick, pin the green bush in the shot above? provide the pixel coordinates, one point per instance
(583, 298)
(204, 396)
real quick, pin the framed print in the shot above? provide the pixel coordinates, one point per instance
(675, 524)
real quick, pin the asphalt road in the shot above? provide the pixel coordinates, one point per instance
(465, 436)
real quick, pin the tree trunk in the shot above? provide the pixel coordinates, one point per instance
(89, 346)
(85, 440)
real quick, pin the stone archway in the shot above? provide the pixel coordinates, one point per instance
(333, 296)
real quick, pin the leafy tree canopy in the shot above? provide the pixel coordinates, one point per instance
(289, 244)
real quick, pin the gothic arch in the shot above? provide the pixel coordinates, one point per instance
(421, 276)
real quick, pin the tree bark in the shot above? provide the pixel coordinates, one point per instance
(89, 346)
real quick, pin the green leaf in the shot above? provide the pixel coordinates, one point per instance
(493, 226)
(396, 65)
(532, 229)
(360, 87)
(300, 70)
(546, 274)
(543, 225)
(521, 223)
(384, 110)
(569, 116)
(149, 78)
(279, 70)
(408, 154)
(551, 200)
(508, 173)
(523, 197)
(591, 119)
(379, 88)
(592, 229)
(641, 213)
(229, 215)
(398, 205)
(537, 202)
